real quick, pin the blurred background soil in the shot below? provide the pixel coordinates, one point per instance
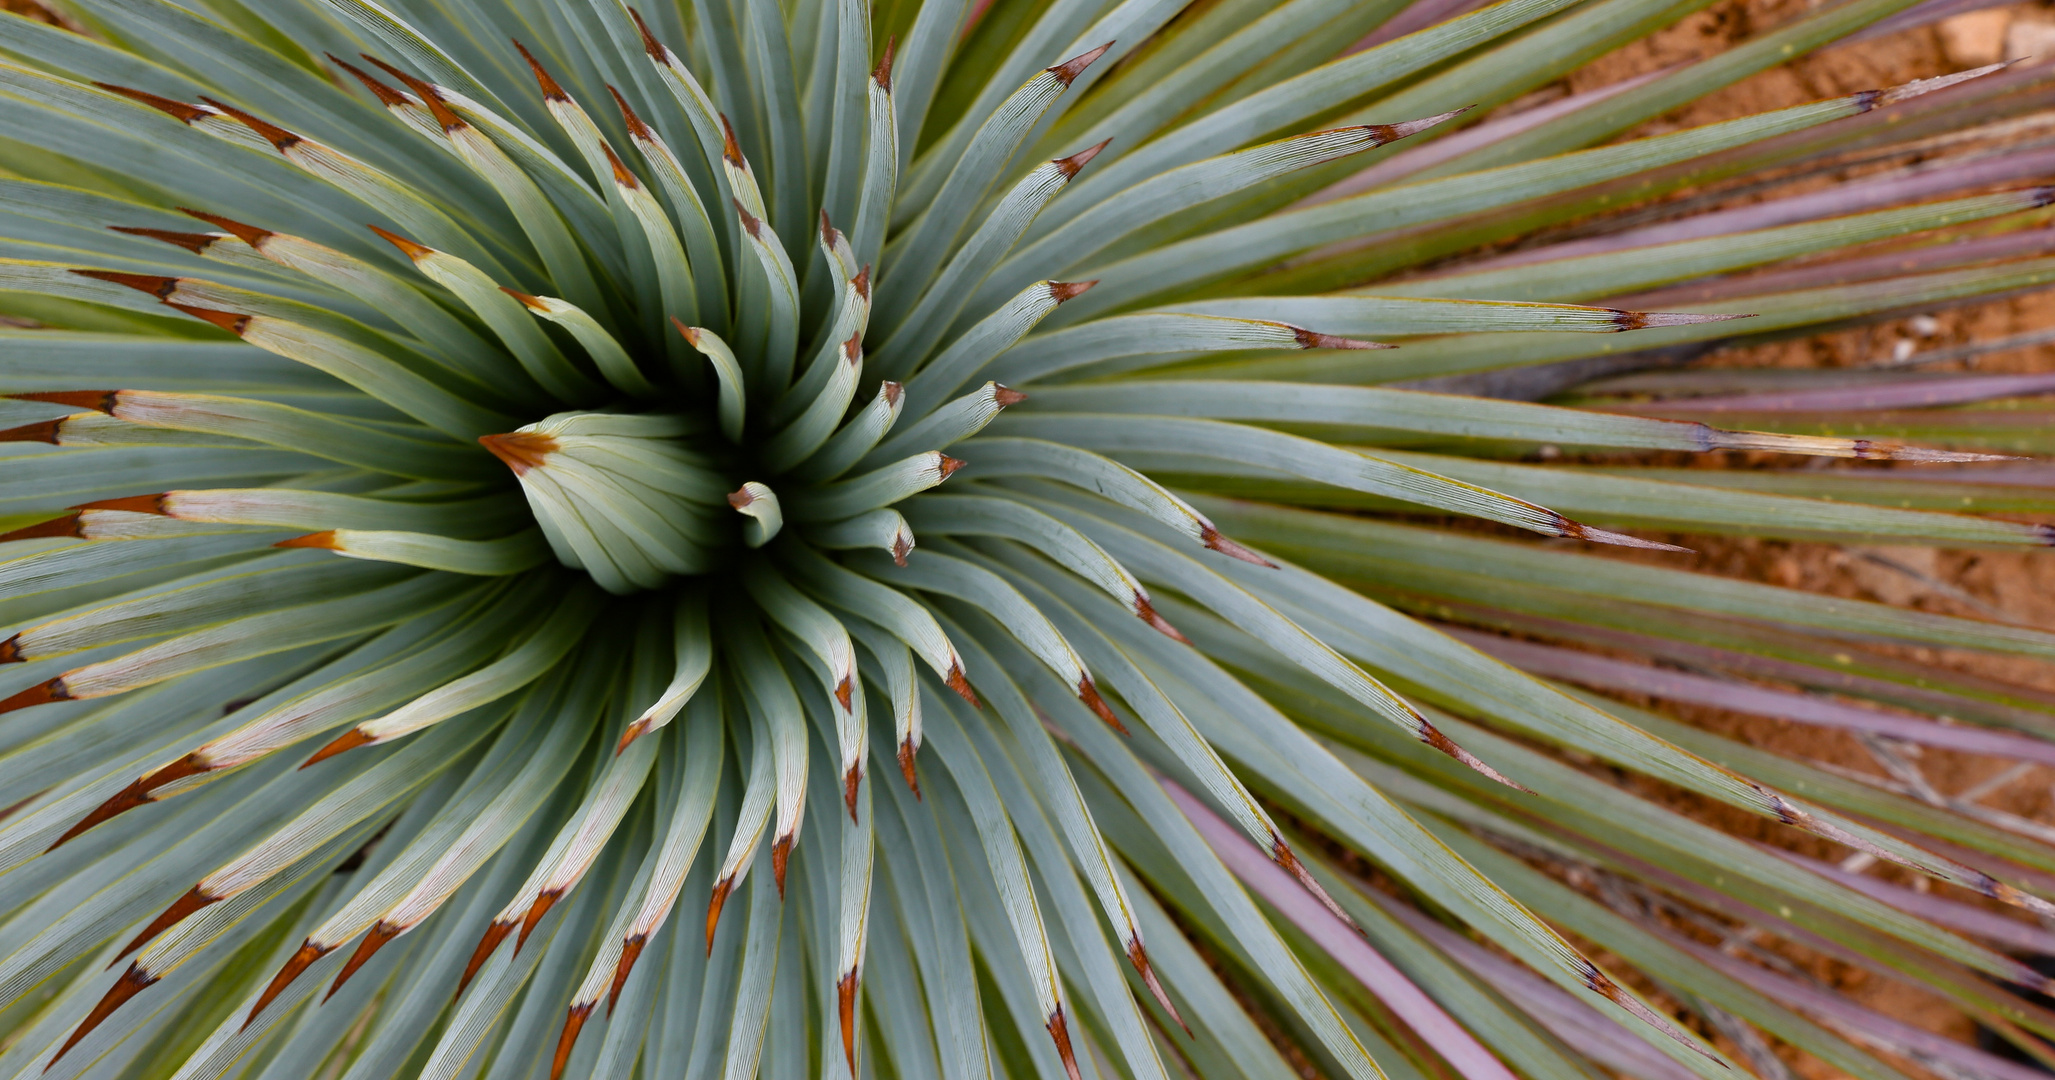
(2010, 586)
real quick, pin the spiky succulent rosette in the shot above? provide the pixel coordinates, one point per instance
(780, 552)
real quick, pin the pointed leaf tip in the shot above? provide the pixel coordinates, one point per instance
(386, 95)
(882, 74)
(178, 110)
(631, 950)
(302, 959)
(1088, 692)
(550, 90)
(381, 933)
(413, 251)
(1003, 395)
(40, 694)
(1433, 737)
(324, 539)
(1871, 99)
(1059, 1030)
(636, 128)
(521, 450)
(1390, 133)
(65, 526)
(845, 1012)
(280, 139)
(132, 982)
(153, 284)
(1313, 339)
(349, 740)
(197, 243)
(574, 1021)
(906, 757)
(650, 44)
(97, 400)
(248, 234)
(1068, 71)
(1075, 162)
(532, 303)
(1643, 320)
(1061, 291)
(714, 905)
(1139, 957)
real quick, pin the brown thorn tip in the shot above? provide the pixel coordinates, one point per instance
(386, 95)
(134, 504)
(851, 781)
(902, 546)
(882, 74)
(494, 934)
(426, 91)
(349, 740)
(194, 899)
(631, 950)
(741, 497)
(713, 908)
(1059, 1030)
(1313, 339)
(132, 982)
(248, 234)
(1088, 692)
(623, 176)
(226, 320)
(650, 44)
(66, 527)
(324, 539)
(10, 651)
(137, 793)
(948, 466)
(1061, 291)
(636, 128)
(381, 932)
(193, 242)
(407, 247)
(961, 685)
(544, 900)
(573, 1021)
(1072, 164)
(532, 303)
(845, 1011)
(635, 731)
(1004, 396)
(844, 692)
(1210, 536)
(731, 150)
(1433, 737)
(862, 284)
(44, 431)
(1068, 71)
(301, 960)
(906, 755)
(96, 400)
(781, 857)
(39, 694)
(1139, 957)
(156, 285)
(828, 230)
(550, 89)
(521, 450)
(1147, 613)
(179, 110)
(280, 139)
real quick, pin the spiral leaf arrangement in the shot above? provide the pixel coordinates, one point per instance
(547, 633)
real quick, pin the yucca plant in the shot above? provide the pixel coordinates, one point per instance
(493, 642)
